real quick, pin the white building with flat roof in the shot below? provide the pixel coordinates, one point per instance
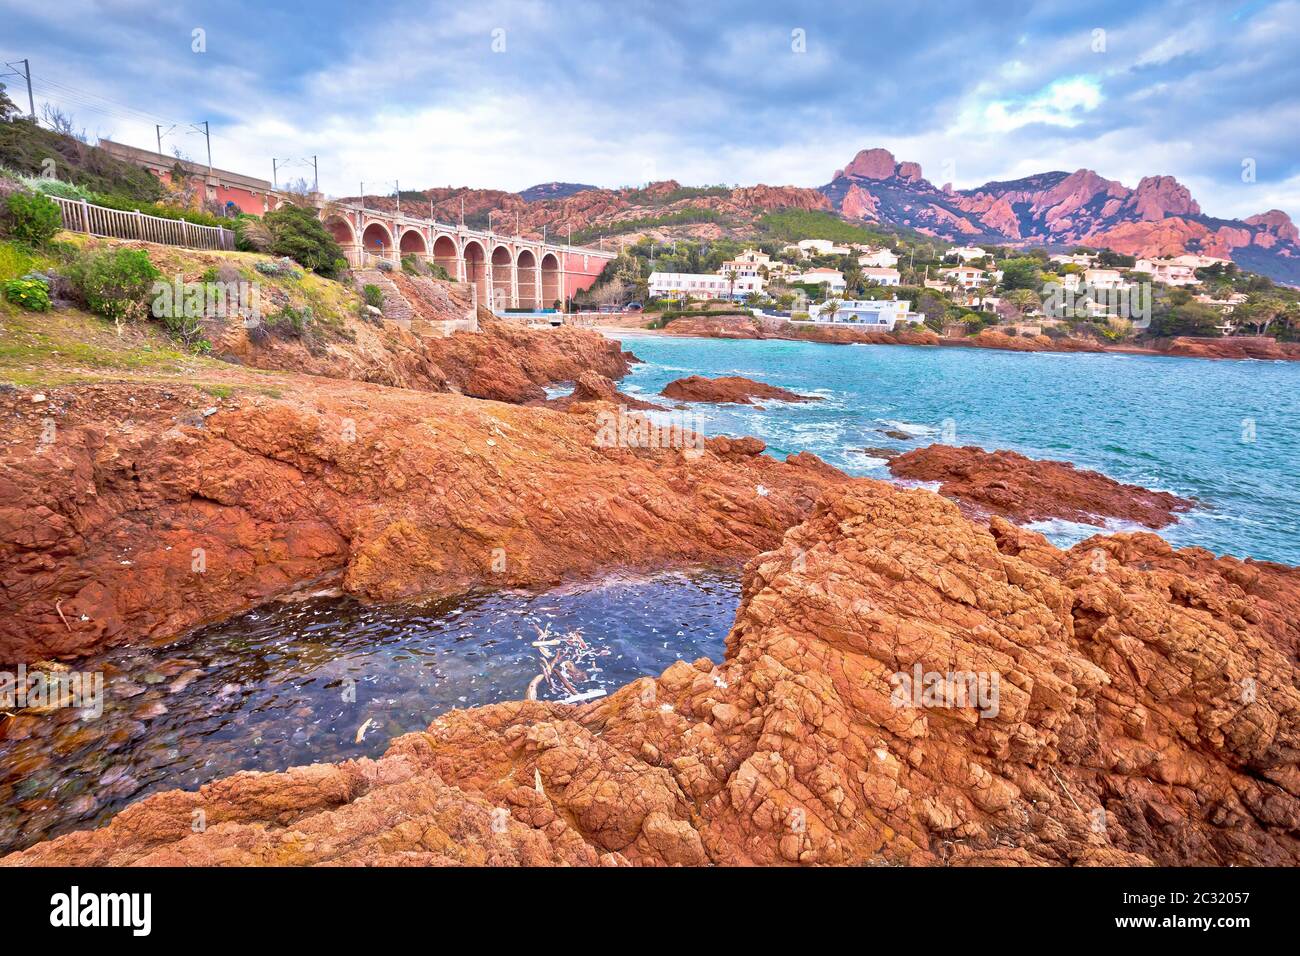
(833, 279)
(967, 253)
(876, 314)
(877, 276)
(878, 258)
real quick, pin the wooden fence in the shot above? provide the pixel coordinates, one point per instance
(81, 216)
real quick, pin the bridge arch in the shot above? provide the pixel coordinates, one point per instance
(551, 286)
(444, 254)
(476, 268)
(503, 269)
(377, 240)
(412, 243)
(341, 229)
(526, 270)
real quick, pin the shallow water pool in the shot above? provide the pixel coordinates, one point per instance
(296, 683)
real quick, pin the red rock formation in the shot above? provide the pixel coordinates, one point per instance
(1022, 489)
(1158, 197)
(714, 327)
(1237, 347)
(729, 389)
(871, 164)
(1146, 711)
(389, 492)
(593, 387)
(1275, 223)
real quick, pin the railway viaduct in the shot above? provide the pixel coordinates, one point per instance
(511, 272)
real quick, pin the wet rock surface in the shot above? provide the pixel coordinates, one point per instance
(729, 389)
(1146, 712)
(141, 521)
(1025, 489)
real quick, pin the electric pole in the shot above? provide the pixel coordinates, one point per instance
(315, 176)
(397, 191)
(27, 75)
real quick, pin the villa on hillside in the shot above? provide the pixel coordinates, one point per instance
(832, 279)
(879, 314)
(1224, 305)
(1169, 271)
(818, 247)
(968, 253)
(1078, 259)
(878, 258)
(704, 285)
(881, 276)
(1104, 279)
(968, 277)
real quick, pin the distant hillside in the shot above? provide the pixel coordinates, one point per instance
(551, 191)
(1060, 209)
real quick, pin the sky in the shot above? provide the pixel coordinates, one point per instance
(508, 94)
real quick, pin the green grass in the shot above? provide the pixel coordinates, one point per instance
(792, 225)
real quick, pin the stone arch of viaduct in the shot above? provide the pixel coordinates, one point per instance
(510, 272)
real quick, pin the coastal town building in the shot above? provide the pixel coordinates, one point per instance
(878, 258)
(704, 285)
(967, 253)
(1086, 260)
(831, 279)
(818, 247)
(879, 314)
(1104, 279)
(879, 276)
(968, 277)
(1170, 271)
(1225, 305)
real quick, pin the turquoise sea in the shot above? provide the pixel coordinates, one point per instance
(1226, 433)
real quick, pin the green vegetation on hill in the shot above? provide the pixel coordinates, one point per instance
(682, 217)
(791, 225)
(26, 147)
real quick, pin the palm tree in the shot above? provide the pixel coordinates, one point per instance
(830, 308)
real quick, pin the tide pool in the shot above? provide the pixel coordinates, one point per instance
(1222, 432)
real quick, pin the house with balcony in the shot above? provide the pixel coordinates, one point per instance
(878, 259)
(875, 314)
(881, 276)
(830, 279)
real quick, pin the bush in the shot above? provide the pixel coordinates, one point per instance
(290, 322)
(298, 234)
(29, 292)
(115, 283)
(33, 218)
(251, 235)
(374, 296)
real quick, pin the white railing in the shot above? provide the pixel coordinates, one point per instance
(82, 216)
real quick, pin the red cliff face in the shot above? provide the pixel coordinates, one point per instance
(1158, 197)
(872, 164)
(1275, 223)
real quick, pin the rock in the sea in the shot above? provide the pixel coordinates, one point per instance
(1024, 489)
(729, 389)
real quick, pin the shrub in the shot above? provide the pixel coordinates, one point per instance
(33, 218)
(251, 235)
(385, 265)
(340, 266)
(374, 296)
(115, 283)
(290, 322)
(298, 234)
(29, 292)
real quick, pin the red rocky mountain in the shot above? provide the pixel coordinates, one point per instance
(1158, 218)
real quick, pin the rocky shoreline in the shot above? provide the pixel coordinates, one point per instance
(1110, 742)
(741, 327)
(1146, 708)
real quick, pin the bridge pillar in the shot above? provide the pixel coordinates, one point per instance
(514, 280)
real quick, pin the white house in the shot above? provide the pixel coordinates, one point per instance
(703, 285)
(878, 258)
(878, 314)
(1103, 279)
(967, 253)
(881, 276)
(1169, 271)
(969, 277)
(1080, 259)
(833, 279)
(820, 247)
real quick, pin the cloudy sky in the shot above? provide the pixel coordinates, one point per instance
(508, 94)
